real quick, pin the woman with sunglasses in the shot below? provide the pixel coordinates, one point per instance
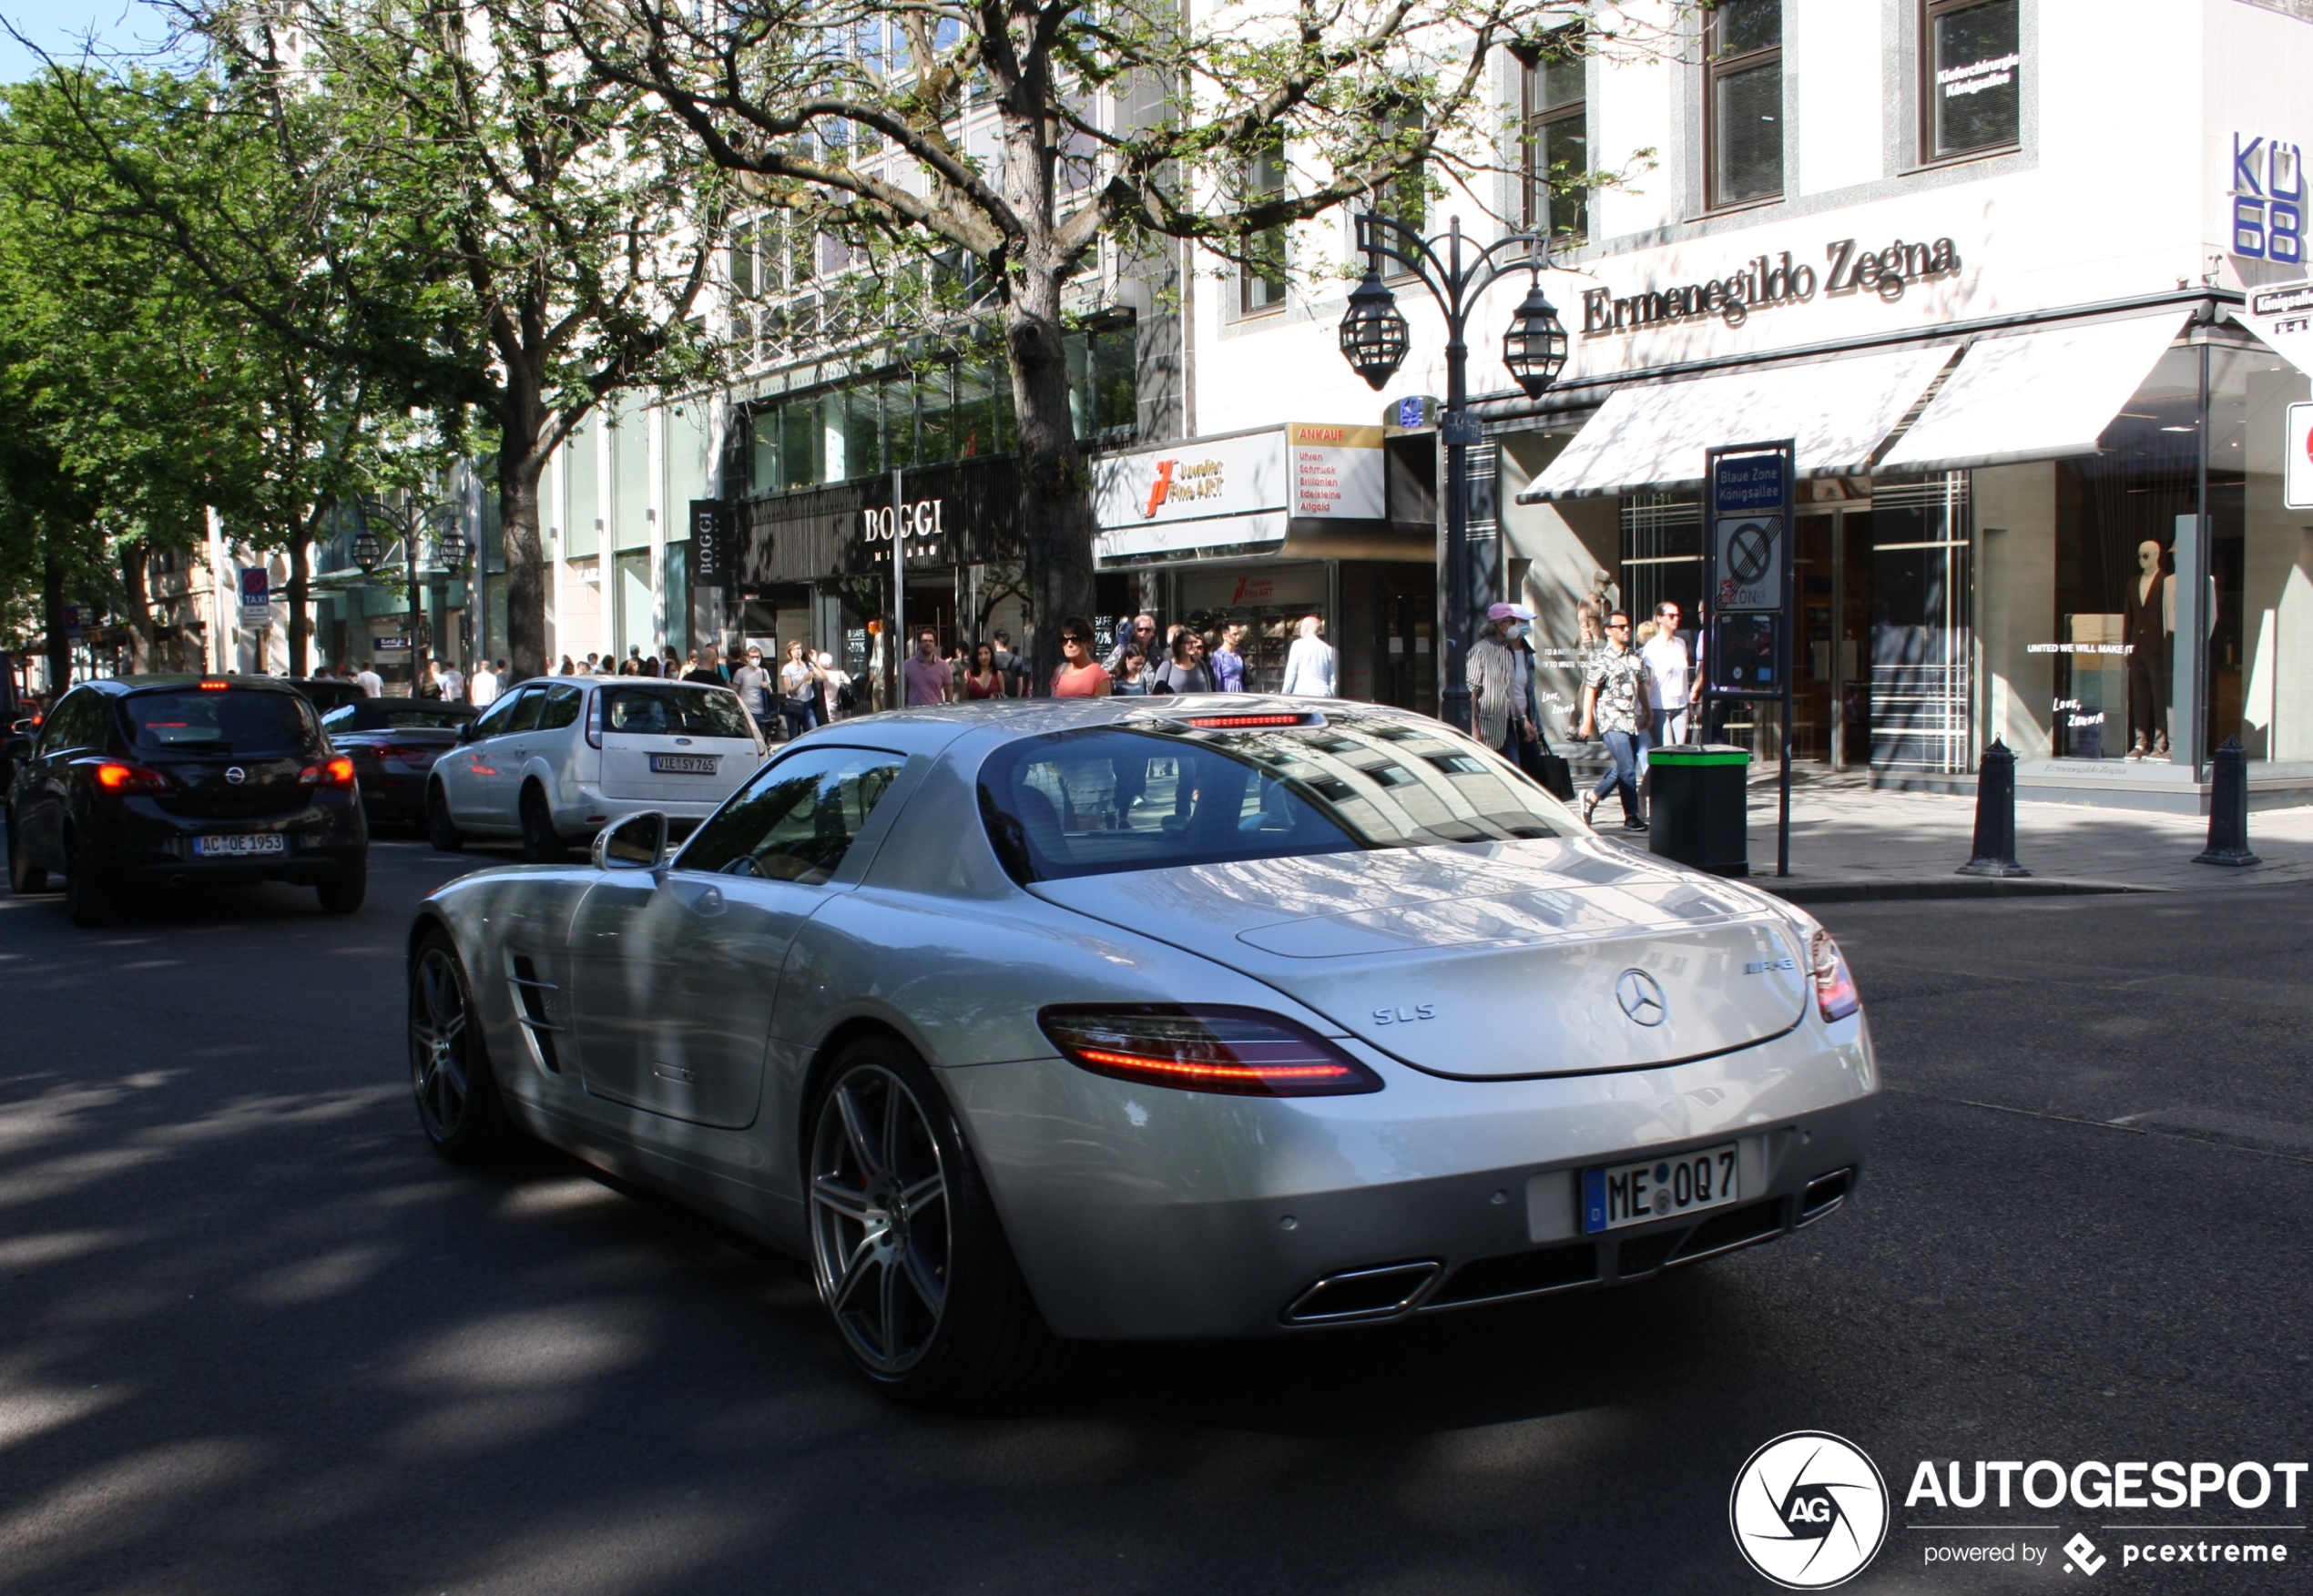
(1079, 676)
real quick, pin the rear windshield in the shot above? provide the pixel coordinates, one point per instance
(375, 716)
(1086, 803)
(670, 711)
(227, 721)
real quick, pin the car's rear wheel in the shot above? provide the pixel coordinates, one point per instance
(24, 877)
(906, 1248)
(89, 899)
(541, 843)
(458, 1102)
(440, 829)
(344, 895)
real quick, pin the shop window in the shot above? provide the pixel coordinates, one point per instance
(1557, 139)
(1742, 100)
(799, 446)
(1260, 276)
(1972, 78)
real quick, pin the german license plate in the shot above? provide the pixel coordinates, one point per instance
(242, 846)
(1660, 1188)
(684, 764)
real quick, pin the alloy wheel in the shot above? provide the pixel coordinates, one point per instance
(882, 1234)
(438, 1044)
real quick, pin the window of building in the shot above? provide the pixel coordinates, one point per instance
(1972, 78)
(1261, 275)
(1742, 100)
(1557, 141)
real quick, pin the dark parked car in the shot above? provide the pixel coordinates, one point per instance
(394, 743)
(327, 693)
(153, 781)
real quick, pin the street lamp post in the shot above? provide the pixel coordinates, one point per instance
(1375, 341)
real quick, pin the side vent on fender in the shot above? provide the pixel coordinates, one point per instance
(535, 1002)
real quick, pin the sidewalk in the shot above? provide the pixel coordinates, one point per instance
(1849, 843)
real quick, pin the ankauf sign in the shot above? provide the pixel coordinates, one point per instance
(1237, 489)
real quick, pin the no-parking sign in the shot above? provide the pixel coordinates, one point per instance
(257, 595)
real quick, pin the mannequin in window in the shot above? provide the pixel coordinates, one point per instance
(2148, 621)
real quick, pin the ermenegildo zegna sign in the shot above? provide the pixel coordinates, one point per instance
(1769, 281)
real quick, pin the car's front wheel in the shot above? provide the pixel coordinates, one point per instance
(25, 878)
(440, 829)
(906, 1248)
(458, 1102)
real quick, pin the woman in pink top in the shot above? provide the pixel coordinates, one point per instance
(1079, 676)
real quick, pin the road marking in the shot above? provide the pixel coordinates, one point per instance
(2066, 1118)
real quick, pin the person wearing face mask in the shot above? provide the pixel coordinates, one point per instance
(1497, 682)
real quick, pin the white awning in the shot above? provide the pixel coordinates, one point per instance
(1837, 412)
(2035, 395)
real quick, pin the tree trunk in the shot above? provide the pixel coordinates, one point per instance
(137, 608)
(1056, 499)
(51, 616)
(299, 586)
(520, 465)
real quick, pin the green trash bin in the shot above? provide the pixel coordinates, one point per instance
(1700, 813)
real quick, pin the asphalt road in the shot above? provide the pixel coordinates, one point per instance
(254, 1337)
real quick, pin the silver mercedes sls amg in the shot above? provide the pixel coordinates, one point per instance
(1152, 1017)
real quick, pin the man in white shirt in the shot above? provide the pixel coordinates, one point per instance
(372, 683)
(1670, 676)
(454, 684)
(1309, 663)
(482, 691)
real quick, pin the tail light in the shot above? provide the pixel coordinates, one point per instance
(213, 685)
(1835, 995)
(1254, 720)
(1242, 1051)
(113, 776)
(594, 717)
(335, 771)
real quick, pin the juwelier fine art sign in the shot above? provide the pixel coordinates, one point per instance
(1766, 282)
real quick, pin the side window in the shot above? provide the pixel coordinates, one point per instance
(71, 724)
(562, 708)
(498, 719)
(527, 708)
(797, 818)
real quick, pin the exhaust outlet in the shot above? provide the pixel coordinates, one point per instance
(1363, 1294)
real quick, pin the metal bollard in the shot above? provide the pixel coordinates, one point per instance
(2228, 809)
(1995, 849)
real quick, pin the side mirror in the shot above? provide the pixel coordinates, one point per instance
(636, 843)
(466, 733)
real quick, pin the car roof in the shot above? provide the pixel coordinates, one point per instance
(121, 686)
(1025, 718)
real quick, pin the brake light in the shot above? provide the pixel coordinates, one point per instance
(1242, 720)
(336, 771)
(113, 776)
(1835, 993)
(594, 719)
(1241, 1052)
(214, 687)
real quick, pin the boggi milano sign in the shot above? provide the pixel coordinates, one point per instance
(1765, 282)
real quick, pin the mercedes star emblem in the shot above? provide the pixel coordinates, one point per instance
(1641, 997)
(236, 775)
